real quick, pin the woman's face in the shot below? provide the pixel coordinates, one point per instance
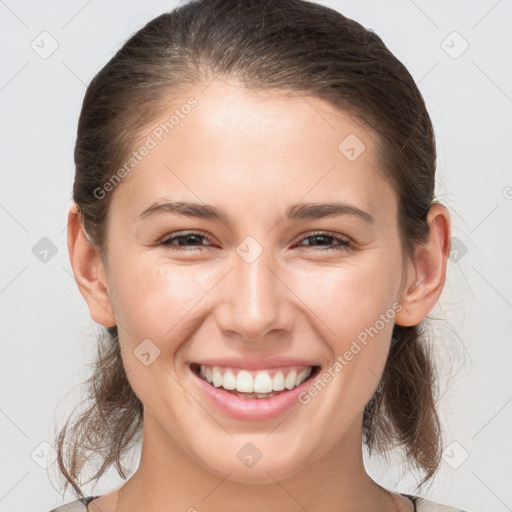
(254, 289)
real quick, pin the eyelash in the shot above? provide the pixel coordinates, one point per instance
(344, 244)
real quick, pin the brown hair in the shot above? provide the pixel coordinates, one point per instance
(290, 45)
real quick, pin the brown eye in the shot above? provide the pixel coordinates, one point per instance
(188, 239)
(327, 239)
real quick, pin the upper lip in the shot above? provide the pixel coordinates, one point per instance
(256, 364)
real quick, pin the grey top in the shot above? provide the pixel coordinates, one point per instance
(420, 505)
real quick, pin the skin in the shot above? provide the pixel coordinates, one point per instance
(253, 155)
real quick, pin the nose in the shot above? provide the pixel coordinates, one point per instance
(255, 301)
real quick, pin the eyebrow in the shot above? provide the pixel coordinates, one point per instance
(298, 211)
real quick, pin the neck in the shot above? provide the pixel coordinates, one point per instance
(168, 477)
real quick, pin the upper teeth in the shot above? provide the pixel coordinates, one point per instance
(254, 382)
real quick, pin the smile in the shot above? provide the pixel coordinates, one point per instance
(252, 394)
(254, 384)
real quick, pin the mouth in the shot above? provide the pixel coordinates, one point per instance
(255, 384)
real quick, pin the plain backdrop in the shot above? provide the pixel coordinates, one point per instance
(459, 54)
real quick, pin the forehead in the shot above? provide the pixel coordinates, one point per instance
(227, 145)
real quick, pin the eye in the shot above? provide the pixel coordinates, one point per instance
(184, 238)
(343, 243)
(193, 239)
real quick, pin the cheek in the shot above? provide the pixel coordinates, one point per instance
(346, 299)
(352, 308)
(160, 301)
(355, 317)
(156, 300)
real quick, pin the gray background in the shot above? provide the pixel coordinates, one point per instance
(47, 336)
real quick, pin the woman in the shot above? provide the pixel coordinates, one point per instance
(254, 223)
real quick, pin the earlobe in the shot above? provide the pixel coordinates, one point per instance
(427, 274)
(89, 271)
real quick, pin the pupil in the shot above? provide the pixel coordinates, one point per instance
(189, 237)
(322, 238)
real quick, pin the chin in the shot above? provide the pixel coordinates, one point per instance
(248, 465)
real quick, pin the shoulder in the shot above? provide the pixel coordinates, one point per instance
(421, 504)
(424, 505)
(79, 505)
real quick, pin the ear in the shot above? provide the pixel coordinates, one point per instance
(89, 271)
(427, 273)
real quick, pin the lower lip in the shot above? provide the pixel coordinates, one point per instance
(251, 409)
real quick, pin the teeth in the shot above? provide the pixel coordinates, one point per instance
(262, 384)
(229, 381)
(302, 376)
(278, 382)
(289, 382)
(258, 395)
(216, 377)
(244, 382)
